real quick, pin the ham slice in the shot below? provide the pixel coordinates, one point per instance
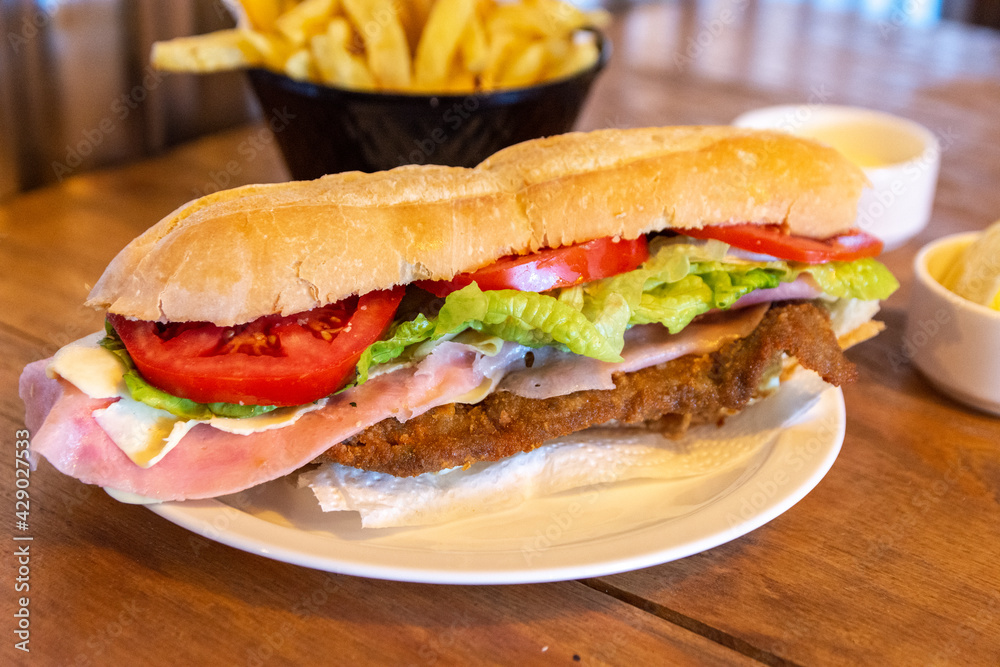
(803, 287)
(557, 373)
(208, 462)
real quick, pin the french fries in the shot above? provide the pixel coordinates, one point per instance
(439, 42)
(385, 42)
(215, 52)
(445, 46)
(261, 14)
(336, 64)
(473, 46)
(304, 20)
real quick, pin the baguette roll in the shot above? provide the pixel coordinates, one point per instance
(237, 255)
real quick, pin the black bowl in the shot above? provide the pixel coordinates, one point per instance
(324, 130)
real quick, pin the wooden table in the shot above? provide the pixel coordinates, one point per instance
(894, 558)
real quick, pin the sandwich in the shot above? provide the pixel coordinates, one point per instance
(428, 319)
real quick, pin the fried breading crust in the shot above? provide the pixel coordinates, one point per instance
(689, 390)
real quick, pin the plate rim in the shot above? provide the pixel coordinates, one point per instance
(252, 534)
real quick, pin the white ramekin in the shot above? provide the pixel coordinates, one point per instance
(898, 205)
(954, 342)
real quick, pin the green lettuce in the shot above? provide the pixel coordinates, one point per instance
(679, 281)
(144, 392)
(404, 334)
(528, 318)
(865, 279)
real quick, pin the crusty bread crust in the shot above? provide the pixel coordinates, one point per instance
(630, 182)
(237, 255)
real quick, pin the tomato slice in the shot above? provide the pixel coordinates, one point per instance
(771, 240)
(550, 268)
(272, 360)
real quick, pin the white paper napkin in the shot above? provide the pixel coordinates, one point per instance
(594, 456)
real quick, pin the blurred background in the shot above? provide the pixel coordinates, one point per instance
(77, 92)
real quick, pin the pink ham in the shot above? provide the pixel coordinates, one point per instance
(803, 287)
(556, 373)
(209, 462)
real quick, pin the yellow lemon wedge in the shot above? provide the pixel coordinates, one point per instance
(976, 274)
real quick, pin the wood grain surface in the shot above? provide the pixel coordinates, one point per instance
(893, 559)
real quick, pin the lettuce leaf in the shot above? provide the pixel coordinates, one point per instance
(531, 319)
(681, 280)
(185, 408)
(404, 334)
(864, 279)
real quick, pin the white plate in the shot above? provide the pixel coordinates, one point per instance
(587, 533)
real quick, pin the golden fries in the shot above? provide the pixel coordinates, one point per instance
(446, 46)
(299, 65)
(222, 50)
(439, 42)
(473, 47)
(525, 67)
(337, 65)
(377, 21)
(305, 19)
(413, 15)
(582, 54)
(271, 50)
(262, 14)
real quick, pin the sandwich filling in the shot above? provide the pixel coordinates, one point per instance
(669, 397)
(687, 337)
(428, 320)
(581, 300)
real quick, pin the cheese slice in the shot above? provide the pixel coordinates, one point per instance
(145, 434)
(279, 418)
(90, 368)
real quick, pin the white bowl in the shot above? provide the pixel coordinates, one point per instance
(954, 342)
(900, 157)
